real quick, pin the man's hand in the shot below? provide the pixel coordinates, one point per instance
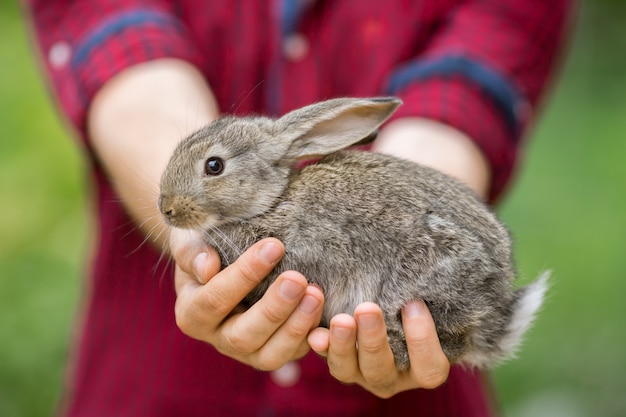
(357, 350)
(272, 332)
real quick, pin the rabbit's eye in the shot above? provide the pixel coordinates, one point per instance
(214, 166)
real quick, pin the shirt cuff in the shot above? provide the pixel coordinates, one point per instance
(461, 104)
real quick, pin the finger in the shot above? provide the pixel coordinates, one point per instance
(376, 359)
(253, 328)
(200, 310)
(319, 340)
(228, 288)
(429, 365)
(192, 255)
(184, 246)
(205, 265)
(289, 341)
(190, 320)
(342, 358)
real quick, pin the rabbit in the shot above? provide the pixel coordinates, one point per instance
(362, 226)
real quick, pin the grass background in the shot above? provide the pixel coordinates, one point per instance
(566, 212)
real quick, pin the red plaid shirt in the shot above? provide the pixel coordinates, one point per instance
(480, 66)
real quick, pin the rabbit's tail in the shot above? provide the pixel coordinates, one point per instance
(529, 300)
(526, 304)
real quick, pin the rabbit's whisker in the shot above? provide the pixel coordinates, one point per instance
(214, 230)
(148, 237)
(223, 254)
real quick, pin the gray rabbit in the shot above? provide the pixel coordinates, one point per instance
(362, 226)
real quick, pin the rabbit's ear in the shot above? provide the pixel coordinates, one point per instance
(329, 126)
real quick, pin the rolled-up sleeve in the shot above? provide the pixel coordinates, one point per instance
(484, 73)
(83, 44)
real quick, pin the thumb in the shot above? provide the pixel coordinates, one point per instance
(206, 265)
(192, 255)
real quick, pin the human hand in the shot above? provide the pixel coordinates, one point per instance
(357, 351)
(266, 336)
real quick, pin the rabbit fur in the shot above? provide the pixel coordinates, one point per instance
(363, 226)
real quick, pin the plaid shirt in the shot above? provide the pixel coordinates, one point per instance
(480, 66)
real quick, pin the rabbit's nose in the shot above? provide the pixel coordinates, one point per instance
(165, 207)
(170, 216)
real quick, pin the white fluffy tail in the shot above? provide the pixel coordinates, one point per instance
(526, 309)
(524, 312)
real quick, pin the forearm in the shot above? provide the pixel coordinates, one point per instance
(439, 146)
(135, 122)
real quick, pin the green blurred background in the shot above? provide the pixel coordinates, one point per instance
(567, 213)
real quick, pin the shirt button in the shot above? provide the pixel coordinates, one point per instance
(295, 47)
(59, 55)
(287, 375)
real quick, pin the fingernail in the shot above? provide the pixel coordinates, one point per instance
(290, 290)
(368, 321)
(271, 252)
(309, 304)
(414, 309)
(199, 263)
(341, 333)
